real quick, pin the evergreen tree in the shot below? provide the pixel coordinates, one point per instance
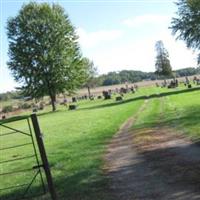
(163, 66)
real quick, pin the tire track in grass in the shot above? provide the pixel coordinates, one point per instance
(119, 154)
(156, 163)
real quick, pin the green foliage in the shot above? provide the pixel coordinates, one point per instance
(24, 106)
(124, 76)
(163, 66)
(90, 76)
(43, 50)
(132, 76)
(186, 72)
(187, 24)
(7, 109)
(10, 95)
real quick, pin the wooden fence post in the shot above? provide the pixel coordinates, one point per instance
(43, 156)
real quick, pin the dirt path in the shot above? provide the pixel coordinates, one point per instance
(152, 164)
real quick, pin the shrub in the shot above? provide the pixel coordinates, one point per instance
(24, 106)
(7, 109)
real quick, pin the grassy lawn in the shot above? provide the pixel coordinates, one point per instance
(75, 140)
(179, 111)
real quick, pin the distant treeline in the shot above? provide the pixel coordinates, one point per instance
(10, 95)
(113, 78)
(132, 76)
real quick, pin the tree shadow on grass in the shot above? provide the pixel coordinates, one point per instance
(82, 185)
(85, 183)
(164, 173)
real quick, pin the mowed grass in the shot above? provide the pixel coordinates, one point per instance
(179, 111)
(76, 140)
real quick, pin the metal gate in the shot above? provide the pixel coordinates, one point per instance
(23, 161)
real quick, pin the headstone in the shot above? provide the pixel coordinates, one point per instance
(119, 98)
(41, 106)
(106, 95)
(99, 97)
(91, 97)
(74, 99)
(72, 107)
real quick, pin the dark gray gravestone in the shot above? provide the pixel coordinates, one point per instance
(74, 99)
(119, 98)
(99, 97)
(72, 107)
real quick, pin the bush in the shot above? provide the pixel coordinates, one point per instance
(7, 109)
(25, 106)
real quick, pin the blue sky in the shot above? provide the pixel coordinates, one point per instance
(116, 35)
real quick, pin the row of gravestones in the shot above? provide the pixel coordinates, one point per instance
(169, 84)
(105, 94)
(120, 91)
(174, 83)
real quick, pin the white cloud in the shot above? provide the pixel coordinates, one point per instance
(140, 55)
(146, 19)
(91, 39)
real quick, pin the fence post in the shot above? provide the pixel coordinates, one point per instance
(43, 156)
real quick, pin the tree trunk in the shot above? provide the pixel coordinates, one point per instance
(53, 102)
(89, 93)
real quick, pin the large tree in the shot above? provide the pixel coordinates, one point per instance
(44, 55)
(163, 66)
(187, 23)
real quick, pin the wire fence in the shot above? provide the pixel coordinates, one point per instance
(21, 167)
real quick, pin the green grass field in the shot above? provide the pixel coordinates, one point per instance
(76, 140)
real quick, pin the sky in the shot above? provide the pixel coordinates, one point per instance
(114, 34)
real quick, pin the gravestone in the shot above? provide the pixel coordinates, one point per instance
(72, 107)
(119, 98)
(74, 100)
(99, 97)
(106, 95)
(91, 98)
(41, 106)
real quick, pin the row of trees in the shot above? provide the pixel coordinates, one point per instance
(132, 76)
(10, 95)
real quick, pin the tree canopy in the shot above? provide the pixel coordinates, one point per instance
(44, 55)
(163, 66)
(187, 23)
